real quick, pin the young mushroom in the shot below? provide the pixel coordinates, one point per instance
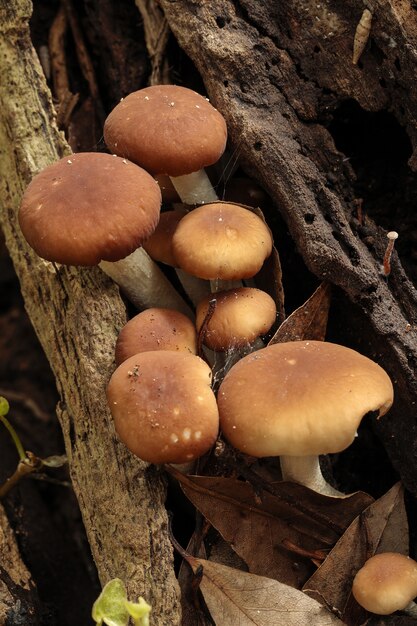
(156, 329)
(298, 400)
(221, 242)
(170, 130)
(97, 209)
(159, 248)
(386, 583)
(163, 406)
(239, 318)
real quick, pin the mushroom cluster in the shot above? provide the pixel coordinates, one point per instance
(295, 400)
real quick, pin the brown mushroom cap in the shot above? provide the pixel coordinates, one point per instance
(159, 244)
(241, 315)
(221, 241)
(300, 398)
(167, 130)
(89, 207)
(386, 583)
(156, 329)
(163, 406)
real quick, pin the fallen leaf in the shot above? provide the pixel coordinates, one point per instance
(256, 527)
(238, 598)
(192, 613)
(269, 279)
(308, 321)
(382, 527)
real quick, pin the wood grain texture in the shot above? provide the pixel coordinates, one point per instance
(77, 314)
(276, 70)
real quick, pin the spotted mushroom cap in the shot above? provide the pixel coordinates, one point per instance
(156, 329)
(386, 583)
(221, 241)
(89, 207)
(167, 130)
(163, 407)
(240, 316)
(300, 398)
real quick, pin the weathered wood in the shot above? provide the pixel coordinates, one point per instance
(18, 597)
(77, 314)
(276, 70)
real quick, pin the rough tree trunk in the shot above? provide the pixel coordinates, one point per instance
(77, 314)
(277, 71)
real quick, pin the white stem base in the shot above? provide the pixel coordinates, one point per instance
(144, 284)
(411, 609)
(306, 471)
(194, 188)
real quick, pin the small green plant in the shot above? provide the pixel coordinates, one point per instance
(28, 462)
(114, 609)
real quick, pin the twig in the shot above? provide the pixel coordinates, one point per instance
(29, 403)
(26, 466)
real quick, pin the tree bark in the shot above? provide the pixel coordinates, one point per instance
(18, 597)
(77, 314)
(277, 70)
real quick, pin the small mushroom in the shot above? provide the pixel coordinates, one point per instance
(159, 248)
(298, 400)
(163, 407)
(156, 329)
(92, 208)
(170, 130)
(221, 242)
(239, 318)
(386, 583)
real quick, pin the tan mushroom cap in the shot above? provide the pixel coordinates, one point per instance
(241, 315)
(89, 207)
(221, 241)
(386, 583)
(156, 329)
(300, 398)
(163, 406)
(159, 244)
(167, 130)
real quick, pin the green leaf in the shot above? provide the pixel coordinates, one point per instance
(4, 406)
(110, 606)
(139, 611)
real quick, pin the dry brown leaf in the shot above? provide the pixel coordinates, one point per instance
(309, 321)
(256, 528)
(236, 598)
(381, 527)
(192, 613)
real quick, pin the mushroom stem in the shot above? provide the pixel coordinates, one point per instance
(194, 188)
(223, 285)
(306, 471)
(195, 288)
(143, 283)
(411, 609)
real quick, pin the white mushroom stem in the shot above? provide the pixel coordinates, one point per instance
(195, 288)
(144, 284)
(194, 188)
(224, 285)
(306, 471)
(411, 609)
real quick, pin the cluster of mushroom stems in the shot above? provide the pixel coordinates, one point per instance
(294, 400)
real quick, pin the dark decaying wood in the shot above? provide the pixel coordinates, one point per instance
(277, 71)
(77, 314)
